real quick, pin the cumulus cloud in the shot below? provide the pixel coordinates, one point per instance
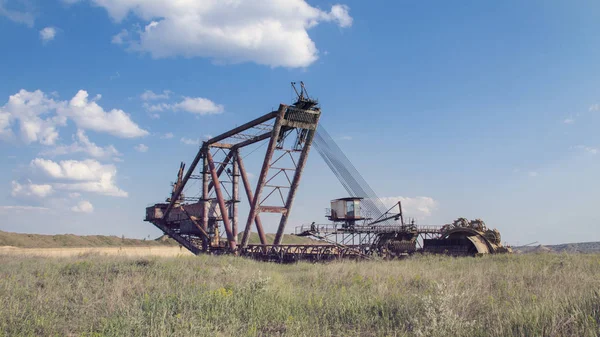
(149, 95)
(569, 121)
(196, 105)
(189, 141)
(141, 148)
(30, 190)
(82, 144)
(417, 207)
(29, 109)
(121, 37)
(586, 149)
(80, 176)
(39, 116)
(89, 115)
(19, 16)
(269, 32)
(83, 207)
(167, 135)
(48, 34)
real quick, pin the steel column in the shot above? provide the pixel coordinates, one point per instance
(249, 194)
(235, 194)
(177, 192)
(266, 164)
(205, 177)
(295, 183)
(221, 168)
(241, 128)
(221, 200)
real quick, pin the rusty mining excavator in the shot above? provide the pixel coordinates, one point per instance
(360, 226)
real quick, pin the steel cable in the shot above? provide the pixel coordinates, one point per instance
(347, 174)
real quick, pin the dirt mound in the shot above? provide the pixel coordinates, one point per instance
(70, 240)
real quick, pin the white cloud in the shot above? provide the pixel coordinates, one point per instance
(586, 149)
(89, 115)
(39, 116)
(594, 107)
(269, 32)
(121, 37)
(80, 176)
(149, 95)
(74, 195)
(189, 141)
(167, 135)
(532, 173)
(157, 107)
(417, 207)
(569, 121)
(141, 148)
(339, 13)
(26, 18)
(82, 144)
(83, 207)
(27, 108)
(70, 169)
(30, 190)
(23, 208)
(197, 105)
(48, 34)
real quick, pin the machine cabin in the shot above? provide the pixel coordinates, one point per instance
(345, 210)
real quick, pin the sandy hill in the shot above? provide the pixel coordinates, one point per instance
(581, 247)
(70, 240)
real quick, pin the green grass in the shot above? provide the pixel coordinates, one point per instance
(518, 295)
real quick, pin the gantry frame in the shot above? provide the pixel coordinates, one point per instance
(290, 131)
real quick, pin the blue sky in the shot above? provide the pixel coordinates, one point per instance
(481, 109)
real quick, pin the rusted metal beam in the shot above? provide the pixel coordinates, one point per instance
(243, 127)
(235, 194)
(221, 167)
(194, 221)
(249, 194)
(273, 209)
(266, 164)
(252, 141)
(295, 183)
(222, 145)
(177, 192)
(221, 201)
(205, 178)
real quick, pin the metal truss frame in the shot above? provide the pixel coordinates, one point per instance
(278, 127)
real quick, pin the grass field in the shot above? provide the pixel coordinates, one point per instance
(23, 240)
(90, 295)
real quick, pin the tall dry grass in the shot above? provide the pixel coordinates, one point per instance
(522, 295)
